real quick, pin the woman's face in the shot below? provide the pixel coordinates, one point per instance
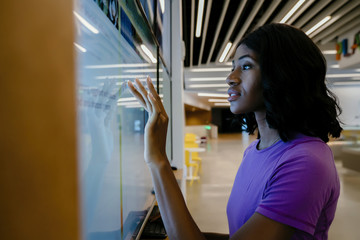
(245, 91)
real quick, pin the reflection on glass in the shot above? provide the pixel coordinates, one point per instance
(160, 10)
(149, 9)
(115, 182)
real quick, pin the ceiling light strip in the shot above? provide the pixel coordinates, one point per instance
(86, 23)
(201, 94)
(222, 104)
(300, 11)
(162, 6)
(199, 18)
(320, 5)
(81, 48)
(232, 25)
(206, 23)
(192, 32)
(218, 28)
(319, 24)
(292, 11)
(343, 75)
(244, 28)
(225, 52)
(148, 53)
(218, 100)
(329, 52)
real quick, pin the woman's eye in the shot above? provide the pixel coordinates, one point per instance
(245, 67)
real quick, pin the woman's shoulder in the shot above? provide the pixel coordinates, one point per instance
(304, 143)
(308, 149)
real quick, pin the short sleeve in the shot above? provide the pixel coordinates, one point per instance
(297, 191)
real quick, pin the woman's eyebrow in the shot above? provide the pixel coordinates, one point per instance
(244, 56)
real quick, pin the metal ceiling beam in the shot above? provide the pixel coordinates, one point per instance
(248, 21)
(300, 11)
(310, 14)
(326, 12)
(288, 6)
(344, 10)
(338, 24)
(192, 32)
(218, 28)
(354, 23)
(235, 20)
(206, 22)
(268, 13)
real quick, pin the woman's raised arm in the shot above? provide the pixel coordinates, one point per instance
(176, 217)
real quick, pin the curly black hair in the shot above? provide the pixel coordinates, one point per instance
(293, 78)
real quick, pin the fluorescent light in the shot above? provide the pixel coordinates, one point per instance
(127, 103)
(225, 52)
(124, 65)
(127, 99)
(292, 11)
(86, 23)
(199, 18)
(148, 53)
(206, 85)
(82, 49)
(346, 83)
(335, 66)
(222, 104)
(134, 106)
(222, 90)
(343, 75)
(319, 24)
(162, 6)
(212, 95)
(217, 100)
(329, 52)
(200, 79)
(210, 70)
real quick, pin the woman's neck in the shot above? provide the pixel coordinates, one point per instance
(268, 136)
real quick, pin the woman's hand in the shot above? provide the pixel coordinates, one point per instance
(156, 127)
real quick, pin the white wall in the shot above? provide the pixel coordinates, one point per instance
(349, 98)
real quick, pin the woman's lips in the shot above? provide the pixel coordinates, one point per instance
(233, 96)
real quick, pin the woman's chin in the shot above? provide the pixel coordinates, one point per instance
(235, 110)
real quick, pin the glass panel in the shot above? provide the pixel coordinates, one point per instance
(115, 181)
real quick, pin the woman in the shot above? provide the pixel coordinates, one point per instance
(287, 186)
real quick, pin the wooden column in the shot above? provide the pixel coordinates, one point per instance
(39, 196)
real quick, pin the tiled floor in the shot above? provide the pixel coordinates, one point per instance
(207, 197)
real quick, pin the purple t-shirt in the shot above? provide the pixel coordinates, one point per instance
(294, 183)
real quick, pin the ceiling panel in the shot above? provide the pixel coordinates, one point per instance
(229, 20)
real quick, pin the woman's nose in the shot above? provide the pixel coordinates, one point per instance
(232, 80)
